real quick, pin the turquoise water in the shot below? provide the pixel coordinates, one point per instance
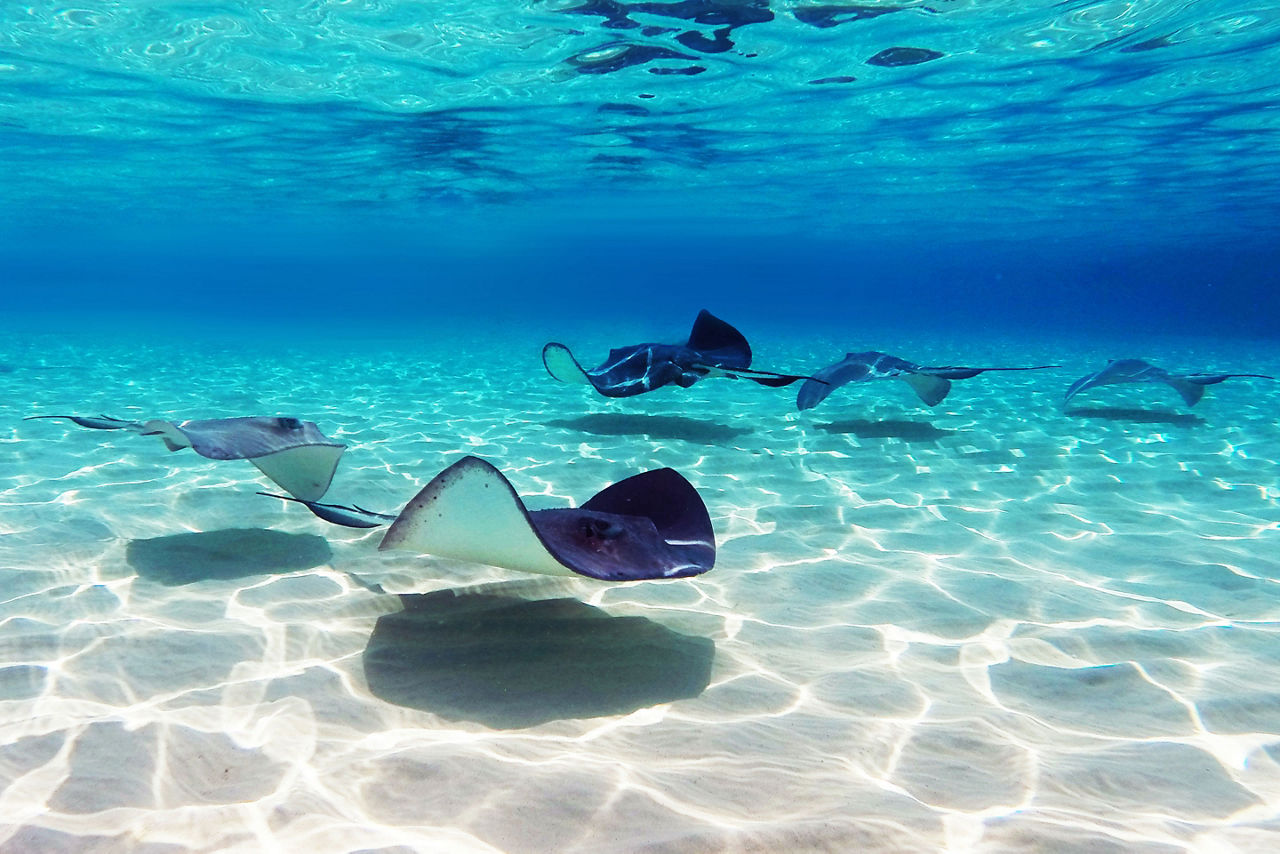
(984, 626)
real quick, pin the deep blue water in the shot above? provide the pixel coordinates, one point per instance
(580, 279)
(1083, 166)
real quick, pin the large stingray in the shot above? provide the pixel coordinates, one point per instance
(294, 454)
(1190, 386)
(651, 525)
(714, 348)
(930, 382)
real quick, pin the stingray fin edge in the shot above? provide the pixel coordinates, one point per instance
(561, 365)
(930, 389)
(471, 512)
(1191, 392)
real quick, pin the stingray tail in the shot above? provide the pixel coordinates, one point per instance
(353, 516)
(101, 422)
(779, 381)
(772, 379)
(964, 372)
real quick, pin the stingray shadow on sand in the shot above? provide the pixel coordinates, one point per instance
(908, 431)
(1137, 416)
(224, 555)
(509, 663)
(653, 426)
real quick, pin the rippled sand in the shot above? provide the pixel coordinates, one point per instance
(991, 626)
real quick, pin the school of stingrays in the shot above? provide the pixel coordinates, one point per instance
(652, 525)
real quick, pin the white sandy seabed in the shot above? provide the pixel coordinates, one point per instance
(990, 626)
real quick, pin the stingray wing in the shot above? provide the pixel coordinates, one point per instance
(718, 343)
(173, 438)
(560, 363)
(685, 542)
(929, 388)
(1189, 391)
(304, 472)
(471, 512)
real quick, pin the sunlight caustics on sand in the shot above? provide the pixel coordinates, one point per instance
(990, 626)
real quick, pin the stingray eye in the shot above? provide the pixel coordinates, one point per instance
(599, 529)
(290, 423)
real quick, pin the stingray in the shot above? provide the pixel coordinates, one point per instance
(1190, 386)
(294, 454)
(651, 525)
(714, 348)
(931, 383)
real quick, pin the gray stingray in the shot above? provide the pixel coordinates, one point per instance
(294, 454)
(930, 382)
(1190, 386)
(651, 525)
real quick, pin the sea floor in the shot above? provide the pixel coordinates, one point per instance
(990, 626)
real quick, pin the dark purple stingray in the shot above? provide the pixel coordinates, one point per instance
(714, 348)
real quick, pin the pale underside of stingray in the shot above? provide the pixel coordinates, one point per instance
(1190, 387)
(294, 454)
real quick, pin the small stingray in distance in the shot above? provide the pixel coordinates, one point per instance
(930, 382)
(714, 348)
(651, 525)
(294, 454)
(1190, 386)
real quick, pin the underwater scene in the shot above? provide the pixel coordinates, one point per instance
(603, 426)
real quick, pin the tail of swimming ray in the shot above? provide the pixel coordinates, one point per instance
(100, 422)
(348, 516)
(772, 379)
